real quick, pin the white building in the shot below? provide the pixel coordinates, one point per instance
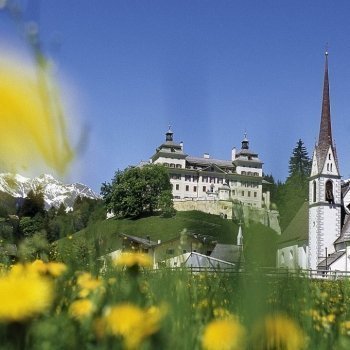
(206, 178)
(318, 238)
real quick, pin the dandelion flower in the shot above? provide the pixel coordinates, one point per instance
(224, 335)
(278, 332)
(87, 284)
(132, 323)
(34, 128)
(23, 294)
(81, 309)
(133, 259)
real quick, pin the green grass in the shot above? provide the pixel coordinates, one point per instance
(260, 240)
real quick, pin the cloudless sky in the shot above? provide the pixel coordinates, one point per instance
(211, 69)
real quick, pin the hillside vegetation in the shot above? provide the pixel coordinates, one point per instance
(103, 236)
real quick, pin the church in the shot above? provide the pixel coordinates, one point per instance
(318, 237)
(206, 179)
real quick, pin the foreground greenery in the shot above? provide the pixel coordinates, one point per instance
(126, 305)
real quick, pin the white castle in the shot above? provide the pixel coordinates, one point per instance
(318, 238)
(206, 178)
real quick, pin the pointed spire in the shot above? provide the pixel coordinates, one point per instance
(325, 137)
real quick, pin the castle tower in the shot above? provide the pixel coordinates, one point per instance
(324, 188)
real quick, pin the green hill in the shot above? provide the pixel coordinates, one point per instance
(259, 241)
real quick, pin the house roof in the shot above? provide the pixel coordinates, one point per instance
(298, 228)
(227, 252)
(330, 259)
(144, 241)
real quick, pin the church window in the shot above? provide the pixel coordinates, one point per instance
(329, 197)
(327, 166)
(291, 255)
(331, 167)
(177, 187)
(329, 156)
(187, 188)
(314, 191)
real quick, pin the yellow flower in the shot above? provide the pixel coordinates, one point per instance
(56, 269)
(87, 284)
(34, 128)
(224, 335)
(81, 309)
(278, 332)
(132, 259)
(23, 294)
(132, 323)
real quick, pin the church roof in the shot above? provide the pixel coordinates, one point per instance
(324, 264)
(345, 232)
(298, 228)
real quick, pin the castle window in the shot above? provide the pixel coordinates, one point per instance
(234, 192)
(205, 178)
(204, 189)
(177, 187)
(248, 193)
(255, 194)
(329, 197)
(166, 164)
(243, 172)
(187, 177)
(242, 193)
(194, 188)
(314, 191)
(172, 165)
(187, 188)
(178, 166)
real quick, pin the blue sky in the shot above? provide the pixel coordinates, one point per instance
(211, 69)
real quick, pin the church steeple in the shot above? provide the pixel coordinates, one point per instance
(325, 138)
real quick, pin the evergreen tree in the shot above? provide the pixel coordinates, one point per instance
(299, 163)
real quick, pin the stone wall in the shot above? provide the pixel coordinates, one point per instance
(228, 209)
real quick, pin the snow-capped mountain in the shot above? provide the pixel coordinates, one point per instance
(55, 192)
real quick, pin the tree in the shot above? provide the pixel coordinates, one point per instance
(137, 190)
(299, 163)
(33, 204)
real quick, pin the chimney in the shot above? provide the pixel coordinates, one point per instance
(182, 146)
(233, 154)
(206, 156)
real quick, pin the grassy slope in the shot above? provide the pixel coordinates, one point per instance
(259, 239)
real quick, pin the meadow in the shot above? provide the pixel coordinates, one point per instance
(127, 305)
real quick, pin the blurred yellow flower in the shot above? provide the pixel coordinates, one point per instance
(81, 309)
(132, 323)
(224, 335)
(87, 284)
(32, 121)
(278, 332)
(23, 294)
(56, 269)
(132, 259)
